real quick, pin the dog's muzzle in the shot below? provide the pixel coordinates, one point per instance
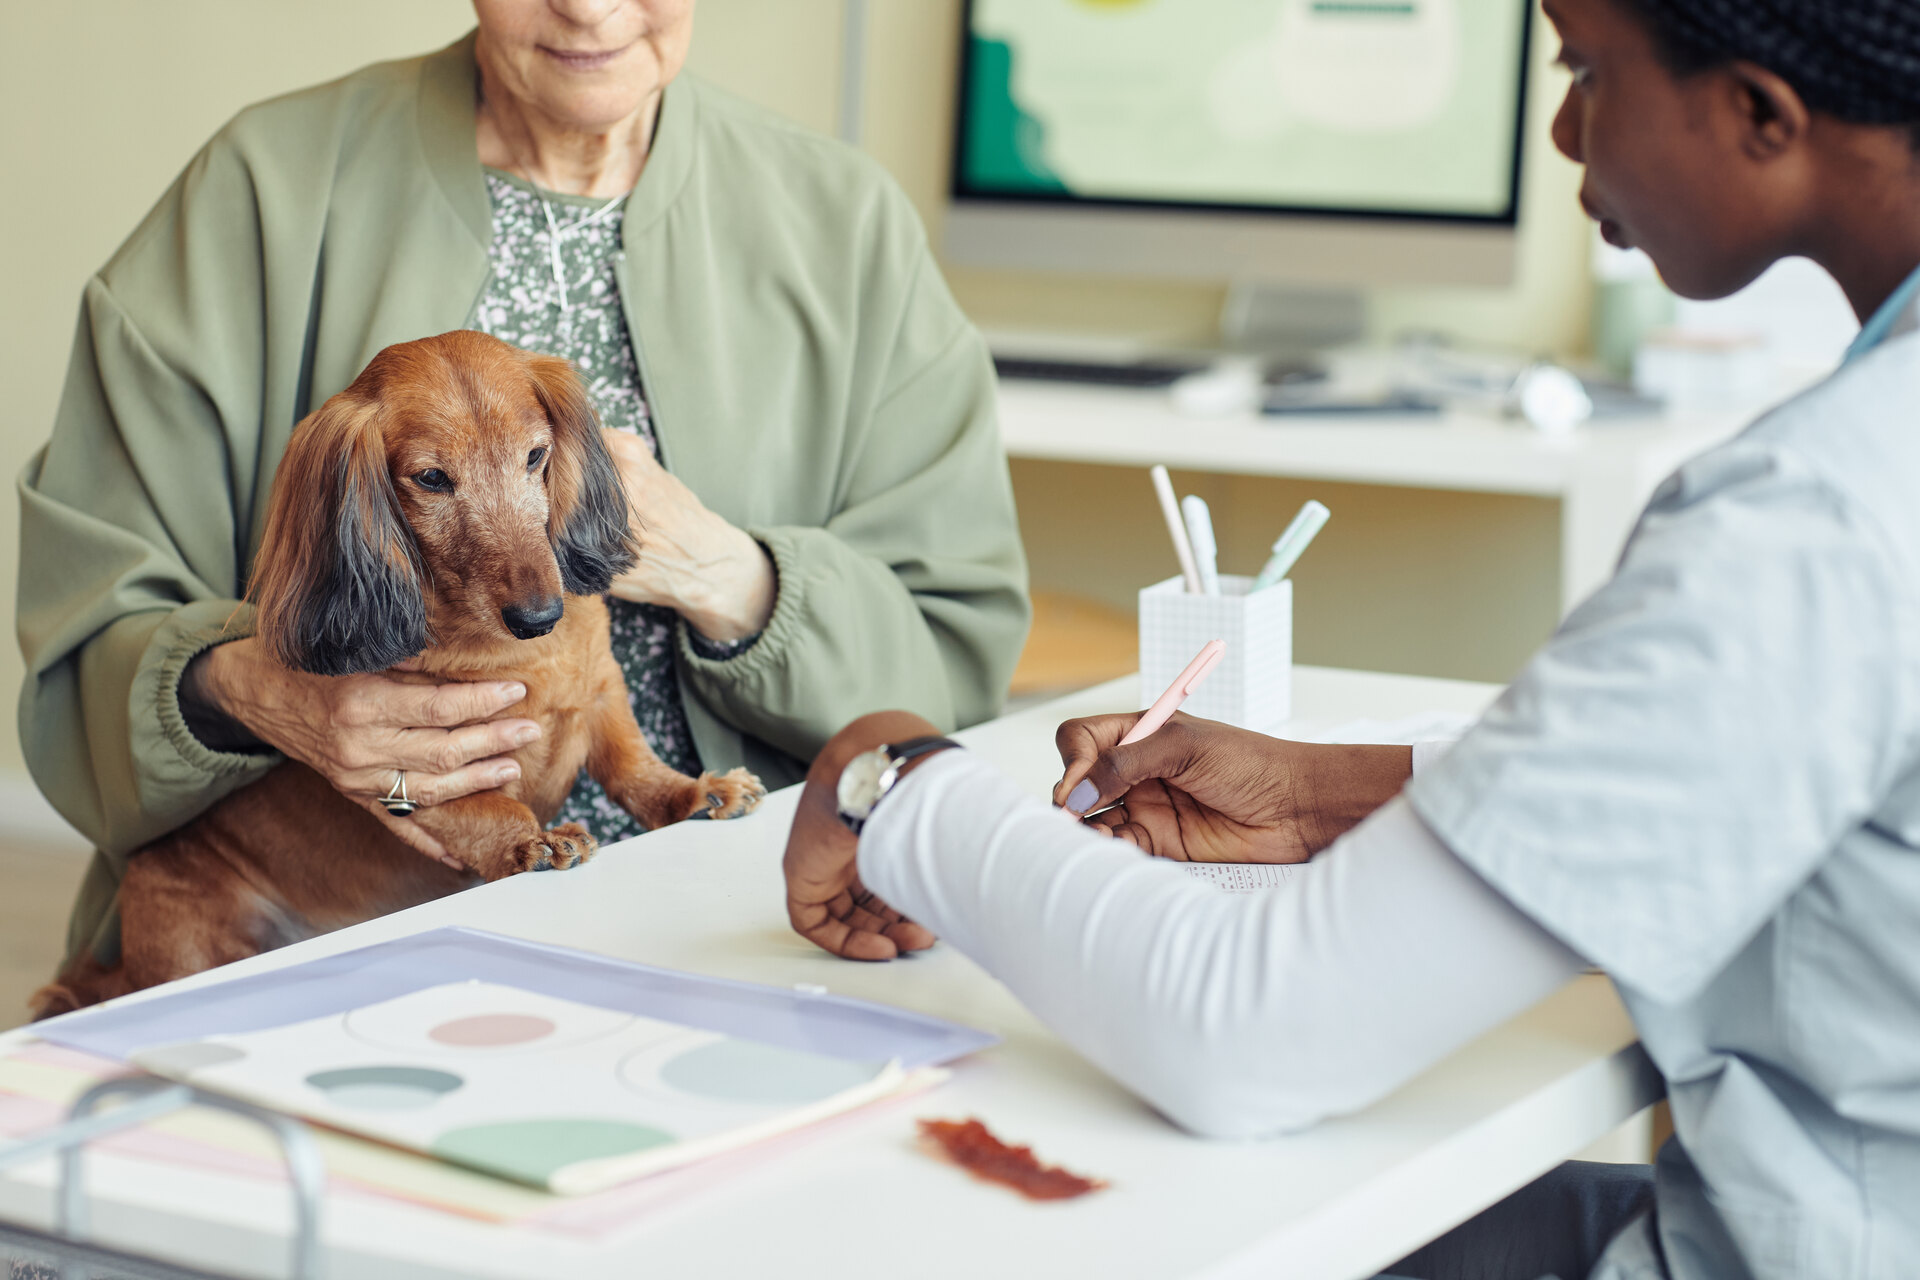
(532, 620)
(396, 801)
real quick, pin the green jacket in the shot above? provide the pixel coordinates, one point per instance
(809, 376)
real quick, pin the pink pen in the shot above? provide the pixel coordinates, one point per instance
(1084, 792)
(1178, 692)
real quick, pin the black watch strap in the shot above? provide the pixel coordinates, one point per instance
(915, 747)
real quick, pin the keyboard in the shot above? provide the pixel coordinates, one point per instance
(1138, 373)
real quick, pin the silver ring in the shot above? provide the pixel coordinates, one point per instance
(397, 801)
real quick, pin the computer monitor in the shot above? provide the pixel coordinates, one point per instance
(1343, 143)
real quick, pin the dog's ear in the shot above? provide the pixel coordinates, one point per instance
(586, 504)
(338, 582)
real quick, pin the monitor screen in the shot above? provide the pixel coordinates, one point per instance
(1388, 108)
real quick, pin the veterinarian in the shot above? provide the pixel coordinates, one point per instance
(1707, 783)
(803, 418)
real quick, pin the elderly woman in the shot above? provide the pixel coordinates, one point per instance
(802, 417)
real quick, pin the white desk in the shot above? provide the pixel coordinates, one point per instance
(1337, 1202)
(1602, 473)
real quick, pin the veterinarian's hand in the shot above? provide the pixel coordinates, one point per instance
(692, 561)
(355, 731)
(825, 900)
(1199, 791)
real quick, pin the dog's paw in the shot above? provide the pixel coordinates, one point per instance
(732, 794)
(567, 845)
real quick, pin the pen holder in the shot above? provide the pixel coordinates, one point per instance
(1252, 686)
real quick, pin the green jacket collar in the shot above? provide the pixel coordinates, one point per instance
(449, 88)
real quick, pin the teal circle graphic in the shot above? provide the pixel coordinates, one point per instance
(534, 1150)
(744, 1071)
(384, 1088)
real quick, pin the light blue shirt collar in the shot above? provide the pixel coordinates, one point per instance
(1880, 324)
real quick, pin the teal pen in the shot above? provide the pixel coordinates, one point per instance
(1289, 547)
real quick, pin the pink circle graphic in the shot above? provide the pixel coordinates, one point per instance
(492, 1030)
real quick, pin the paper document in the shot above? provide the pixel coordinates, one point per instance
(1245, 877)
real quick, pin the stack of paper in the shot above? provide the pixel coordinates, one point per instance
(555, 1069)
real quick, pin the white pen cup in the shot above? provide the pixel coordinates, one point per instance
(1252, 686)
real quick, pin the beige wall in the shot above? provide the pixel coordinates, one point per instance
(102, 103)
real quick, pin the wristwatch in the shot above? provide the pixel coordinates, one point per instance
(871, 774)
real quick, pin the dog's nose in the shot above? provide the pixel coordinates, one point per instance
(536, 618)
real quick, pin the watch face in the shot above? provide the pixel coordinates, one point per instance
(859, 788)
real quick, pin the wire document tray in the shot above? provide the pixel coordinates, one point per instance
(67, 1255)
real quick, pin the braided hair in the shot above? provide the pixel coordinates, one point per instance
(1857, 60)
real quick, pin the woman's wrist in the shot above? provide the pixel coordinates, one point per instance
(205, 699)
(737, 596)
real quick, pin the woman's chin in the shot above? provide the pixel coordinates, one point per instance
(591, 103)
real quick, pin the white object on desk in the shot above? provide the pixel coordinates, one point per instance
(1232, 385)
(1551, 399)
(1338, 1202)
(1252, 683)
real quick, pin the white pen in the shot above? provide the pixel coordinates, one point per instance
(1290, 545)
(1206, 552)
(1170, 512)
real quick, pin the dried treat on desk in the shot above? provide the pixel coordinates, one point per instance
(972, 1146)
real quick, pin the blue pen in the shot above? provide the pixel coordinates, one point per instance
(1289, 547)
(1206, 553)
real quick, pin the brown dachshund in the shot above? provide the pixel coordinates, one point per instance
(455, 503)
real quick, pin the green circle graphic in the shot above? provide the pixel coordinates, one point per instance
(745, 1071)
(534, 1150)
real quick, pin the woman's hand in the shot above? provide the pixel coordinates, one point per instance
(1199, 791)
(357, 731)
(692, 561)
(826, 902)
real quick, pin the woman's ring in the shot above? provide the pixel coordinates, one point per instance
(397, 801)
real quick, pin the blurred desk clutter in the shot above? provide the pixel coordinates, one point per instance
(1772, 339)
(1600, 474)
(1422, 374)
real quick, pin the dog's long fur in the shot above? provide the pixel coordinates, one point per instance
(363, 565)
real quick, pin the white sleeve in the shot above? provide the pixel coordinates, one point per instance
(1428, 753)
(1237, 1015)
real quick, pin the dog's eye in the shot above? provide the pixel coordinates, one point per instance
(434, 480)
(535, 458)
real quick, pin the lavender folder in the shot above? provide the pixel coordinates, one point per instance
(826, 1024)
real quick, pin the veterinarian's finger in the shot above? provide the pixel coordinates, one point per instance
(1080, 743)
(851, 944)
(861, 945)
(826, 928)
(908, 936)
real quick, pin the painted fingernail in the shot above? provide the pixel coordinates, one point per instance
(1081, 798)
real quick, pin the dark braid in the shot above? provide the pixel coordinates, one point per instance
(1858, 60)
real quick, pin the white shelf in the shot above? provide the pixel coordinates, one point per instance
(1602, 473)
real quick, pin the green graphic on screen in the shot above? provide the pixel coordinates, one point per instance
(1391, 105)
